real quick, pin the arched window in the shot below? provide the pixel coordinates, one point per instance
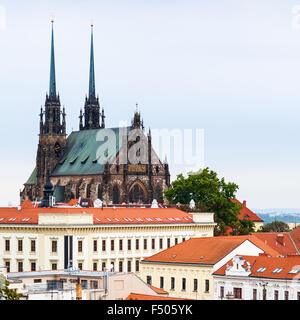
(116, 195)
(77, 191)
(99, 193)
(158, 194)
(137, 194)
(88, 190)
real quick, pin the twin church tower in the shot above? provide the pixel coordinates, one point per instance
(71, 163)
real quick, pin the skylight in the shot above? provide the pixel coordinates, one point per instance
(294, 271)
(277, 270)
(261, 269)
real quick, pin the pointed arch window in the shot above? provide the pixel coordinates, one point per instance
(116, 195)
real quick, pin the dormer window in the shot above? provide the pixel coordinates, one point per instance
(277, 270)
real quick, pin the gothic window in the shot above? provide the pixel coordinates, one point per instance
(88, 191)
(136, 194)
(99, 192)
(116, 195)
(77, 191)
(158, 194)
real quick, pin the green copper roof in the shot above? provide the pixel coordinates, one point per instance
(92, 91)
(52, 88)
(80, 157)
(32, 177)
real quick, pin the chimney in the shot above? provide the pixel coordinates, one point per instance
(244, 203)
(280, 238)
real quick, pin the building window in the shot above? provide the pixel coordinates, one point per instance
(20, 266)
(33, 266)
(172, 283)
(160, 243)
(298, 295)
(137, 266)
(222, 292)
(94, 284)
(112, 245)
(128, 266)
(120, 266)
(275, 294)
(54, 266)
(254, 294)
(7, 245)
(37, 280)
(145, 244)
(286, 295)
(103, 245)
(32, 245)
(137, 244)
(129, 244)
(264, 294)
(183, 284)
(169, 242)
(206, 285)
(183, 239)
(195, 285)
(153, 244)
(20, 245)
(121, 245)
(54, 246)
(95, 266)
(161, 282)
(112, 265)
(80, 246)
(7, 265)
(149, 280)
(84, 284)
(176, 241)
(237, 293)
(95, 246)
(80, 265)
(103, 266)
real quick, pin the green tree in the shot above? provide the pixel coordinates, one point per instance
(209, 193)
(8, 294)
(275, 226)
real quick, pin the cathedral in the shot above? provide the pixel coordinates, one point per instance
(116, 165)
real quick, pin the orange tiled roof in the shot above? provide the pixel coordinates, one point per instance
(295, 235)
(283, 245)
(29, 215)
(138, 296)
(158, 290)
(246, 213)
(206, 250)
(270, 263)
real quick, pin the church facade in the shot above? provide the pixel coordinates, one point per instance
(116, 165)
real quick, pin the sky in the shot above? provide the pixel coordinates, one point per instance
(230, 68)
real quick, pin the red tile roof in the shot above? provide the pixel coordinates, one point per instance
(138, 296)
(280, 242)
(295, 235)
(270, 263)
(29, 215)
(246, 213)
(206, 250)
(158, 290)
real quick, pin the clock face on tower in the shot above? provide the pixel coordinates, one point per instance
(57, 149)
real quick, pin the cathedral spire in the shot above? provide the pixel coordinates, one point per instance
(92, 93)
(52, 88)
(91, 106)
